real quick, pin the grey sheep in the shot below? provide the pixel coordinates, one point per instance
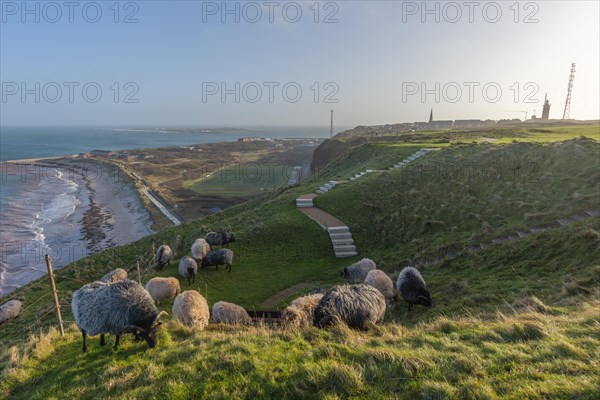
(9, 310)
(219, 238)
(382, 282)
(411, 286)
(355, 305)
(199, 249)
(300, 312)
(118, 274)
(357, 272)
(116, 308)
(163, 288)
(191, 309)
(188, 269)
(229, 313)
(218, 257)
(164, 255)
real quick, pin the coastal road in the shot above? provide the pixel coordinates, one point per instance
(159, 205)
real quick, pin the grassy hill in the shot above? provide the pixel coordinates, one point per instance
(518, 320)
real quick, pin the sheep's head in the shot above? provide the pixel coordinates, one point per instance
(230, 237)
(344, 273)
(424, 298)
(150, 335)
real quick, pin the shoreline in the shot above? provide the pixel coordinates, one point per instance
(109, 213)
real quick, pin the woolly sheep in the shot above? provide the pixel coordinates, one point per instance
(199, 249)
(218, 257)
(356, 305)
(300, 312)
(9, 310)
(219, 238)
(163, 288)
(188, 269)
(357, 272)
(116, 308)
(382, 282)
(229, 313)
(164, 255)
(191, 309)
(411, 287)
(118, 274)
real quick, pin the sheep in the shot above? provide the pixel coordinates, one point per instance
(219, 238)
(355, 305)
(229, 313)
(118, 274)
(199, 249)
(188, 269)
(9, 310)
(116, 308)
(218, 257)
(411, 286)
(357, 272)
(191, 309)
(300, 312)
(164, 255)
(382, 282)
(163, 288)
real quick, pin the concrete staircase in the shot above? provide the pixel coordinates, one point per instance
(341, 239)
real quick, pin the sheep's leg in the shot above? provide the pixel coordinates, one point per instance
(229, 267)
(102, 342)
(84, 343)
(217, 267)
(117, 341)
(409, 305)
(189, 281)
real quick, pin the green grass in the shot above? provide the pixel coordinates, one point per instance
(519, 320)
(241, 180)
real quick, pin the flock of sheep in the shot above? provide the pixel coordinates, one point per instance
(115, 305)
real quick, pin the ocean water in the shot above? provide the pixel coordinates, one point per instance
(36, 142)
(43, 210)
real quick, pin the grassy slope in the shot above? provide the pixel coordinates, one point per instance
(461, 346)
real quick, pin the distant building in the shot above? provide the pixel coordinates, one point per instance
(546, 109)
(103, 153)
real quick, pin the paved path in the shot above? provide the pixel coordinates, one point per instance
(280, 296)
(322, 218)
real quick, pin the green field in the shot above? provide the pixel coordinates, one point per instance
(241, 180)
(518, 320)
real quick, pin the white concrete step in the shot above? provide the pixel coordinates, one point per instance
(338, 229)
(344, 248)
(304, 205)
(318, 191)
(324, 189)
(342, 242)
(336, 236)
(345, 254)
(328, 185)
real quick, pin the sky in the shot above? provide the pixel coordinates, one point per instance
(243, 64)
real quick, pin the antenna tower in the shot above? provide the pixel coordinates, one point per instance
(569, 90)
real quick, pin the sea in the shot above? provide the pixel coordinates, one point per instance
(39, 204)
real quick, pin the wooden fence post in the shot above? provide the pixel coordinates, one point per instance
(138, 270)
(56, 305)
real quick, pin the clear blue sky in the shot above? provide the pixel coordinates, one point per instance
(369, 55)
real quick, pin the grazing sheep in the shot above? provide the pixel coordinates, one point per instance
(219, 238)
(188, 269)
(163, 288)
(300, 312)
(118, 274)
(357, 272)
(229, 313)
(9, 310)
(218, 257)
(199, 249)
(191, 309)
(164, 255)
(382, 282)
(116, 308)
(356, 305)
(411, 287)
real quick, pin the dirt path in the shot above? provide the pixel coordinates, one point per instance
(280, 296)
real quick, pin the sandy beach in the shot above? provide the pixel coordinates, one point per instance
(106, 211)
